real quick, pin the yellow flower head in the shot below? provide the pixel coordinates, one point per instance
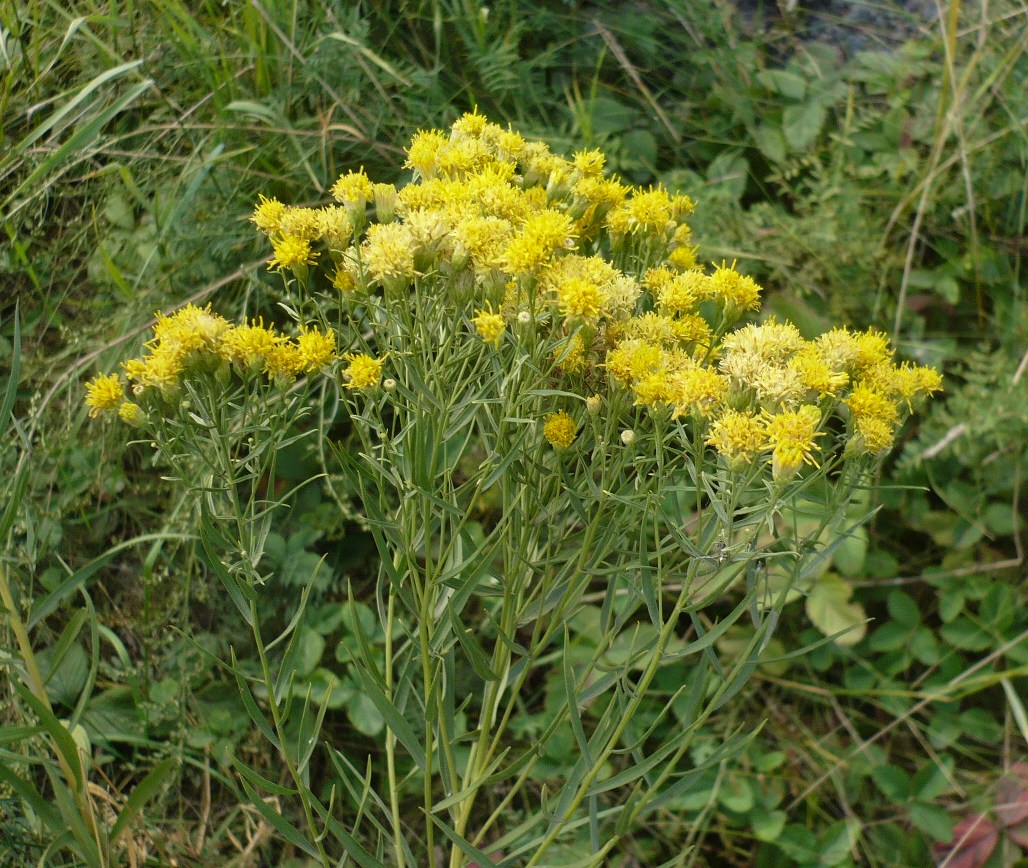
(681, 206)
(489, 325)
(874, 435)
(838, 348)
(868, 403)
(483, 239)
(104, 393)
(683, 257)
(911, 382)
(363, 372)
(815, 373)
(733, 291)
(647, 211)
(570, 354)
(633, 359)
(291, 252)
(534, 244)
(579, 297)
(653, 390)
(604, 193)
(423, 153)
(589, 163)
(161, 369)
(771, 341)
(131, 413)
(697, 391)
(282, 362)
(300, 223)
(737, 436)
(249, 345)
(354, 189)
(469, 124)
(388, 254)
(872, 348)
(334, 227)
(315, 349)
(267, 216)
(189, 330)
(791, 435)
(560, 430)
(677, 292)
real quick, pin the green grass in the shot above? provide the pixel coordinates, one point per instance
(887, 190)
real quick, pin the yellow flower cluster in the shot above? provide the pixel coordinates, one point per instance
(507, 229)
(196, 341)
(294, 231)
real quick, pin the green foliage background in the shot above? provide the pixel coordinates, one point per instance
(884, 187)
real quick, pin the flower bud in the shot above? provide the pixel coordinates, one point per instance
(628, 437)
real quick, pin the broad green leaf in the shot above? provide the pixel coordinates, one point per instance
(736, 794)
(933, 821)
(851, 553)
(767, 826)
(784, 81)
(829, 608)
(837, 842)
(802, 123)
(364, 715)
(893, 782)
(903, 609)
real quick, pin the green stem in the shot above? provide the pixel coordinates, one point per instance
(390, 736)
(36, 685)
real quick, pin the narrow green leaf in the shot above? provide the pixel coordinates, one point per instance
(259, 781)
(396, 722)
(63, 741)
(472, 648)
(288, 831)
(25, 790)
(145, 790)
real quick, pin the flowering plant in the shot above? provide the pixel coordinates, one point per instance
(571, 456)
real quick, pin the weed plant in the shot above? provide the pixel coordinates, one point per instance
(883, 189)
